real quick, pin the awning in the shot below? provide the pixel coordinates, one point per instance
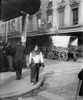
(75, 42)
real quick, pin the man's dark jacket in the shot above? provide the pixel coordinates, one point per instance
(3, 61)
(19, 56)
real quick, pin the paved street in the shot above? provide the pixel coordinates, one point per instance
(60, 82)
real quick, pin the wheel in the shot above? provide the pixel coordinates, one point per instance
(75, 57)
(50, 55)
(56, 55)
(63, 56)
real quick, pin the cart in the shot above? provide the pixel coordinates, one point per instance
(63, 48)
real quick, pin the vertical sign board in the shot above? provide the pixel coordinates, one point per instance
(10, 27)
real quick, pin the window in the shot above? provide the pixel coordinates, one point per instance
(49, 4)
(74, 6)
(50, 0)
(30, 23)
(61, 16)
(60, 1)
(39, 23)
(39, 18)
(75, 15)
(49, 22)
(49, 18)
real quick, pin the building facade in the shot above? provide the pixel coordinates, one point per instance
(55, 17)
(59, 17)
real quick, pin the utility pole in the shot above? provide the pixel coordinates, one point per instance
(25, 26)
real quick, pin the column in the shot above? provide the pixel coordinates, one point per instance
(55, 19)
(20, 24)
(67, 14)
(24, 33)
(35, 26)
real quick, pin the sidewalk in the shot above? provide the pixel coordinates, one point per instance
(9, 87)
(17, 87)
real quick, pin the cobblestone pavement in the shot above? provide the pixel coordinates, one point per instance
(60, 82)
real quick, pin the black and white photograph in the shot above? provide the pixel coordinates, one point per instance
(41, 49)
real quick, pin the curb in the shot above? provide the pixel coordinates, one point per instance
(22, 92)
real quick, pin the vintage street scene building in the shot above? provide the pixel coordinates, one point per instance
(55, 17)
(41, 50)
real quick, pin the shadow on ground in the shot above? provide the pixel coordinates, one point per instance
(13, 78)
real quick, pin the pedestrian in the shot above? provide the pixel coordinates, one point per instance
(9, 56)
(3, 59)
(35, 61)
(18, 60)
(80, 76)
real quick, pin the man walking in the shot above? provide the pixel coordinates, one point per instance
(19, 60)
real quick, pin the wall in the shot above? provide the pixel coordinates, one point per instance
(81, 12)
